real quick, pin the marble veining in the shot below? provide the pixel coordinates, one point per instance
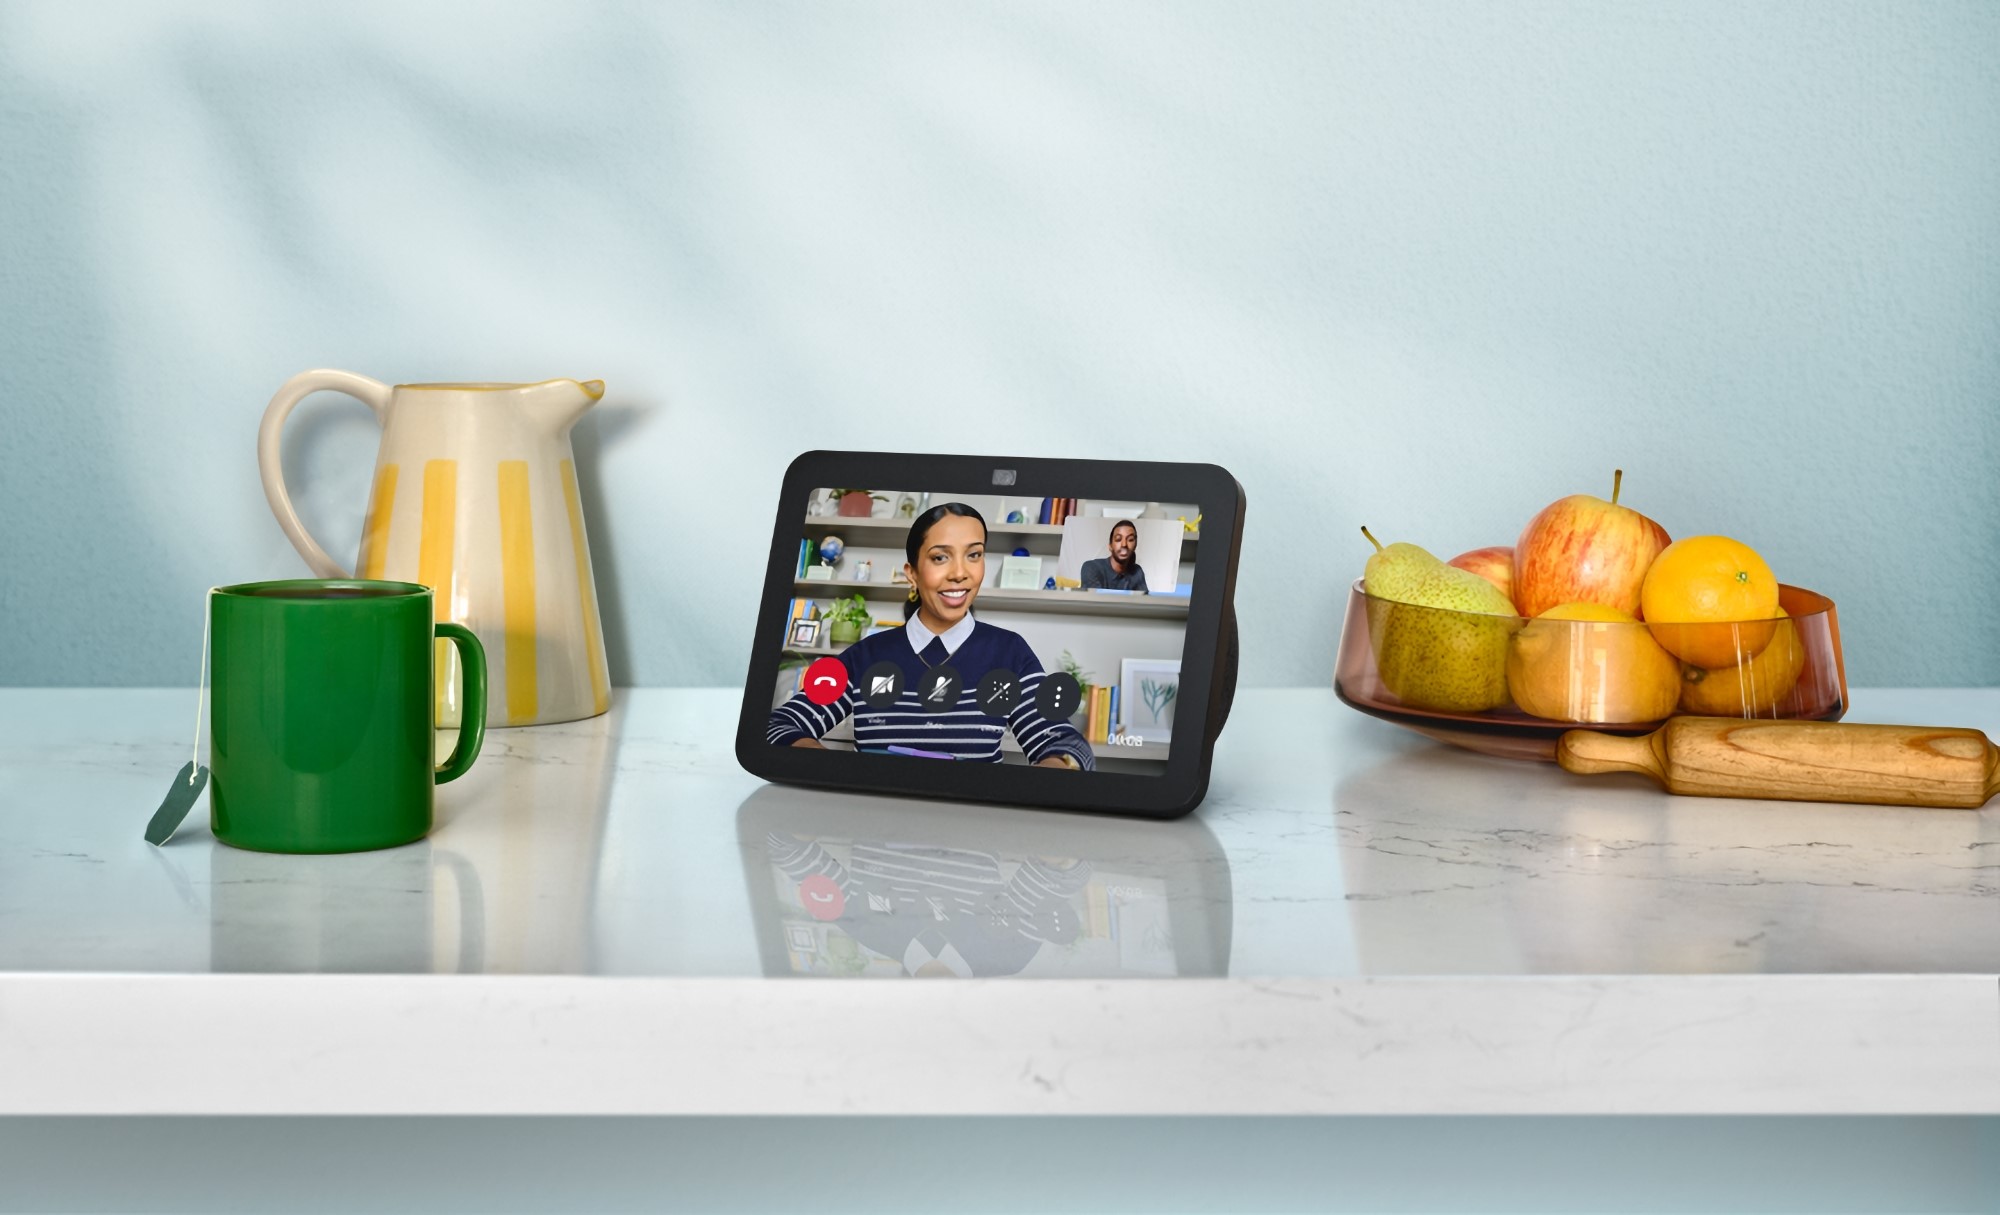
(239, 1044)
(1358, 921)
(1331, 845)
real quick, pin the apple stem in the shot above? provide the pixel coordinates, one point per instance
(1617, 481)
(1371, 539)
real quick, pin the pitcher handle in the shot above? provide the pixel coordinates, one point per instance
(270, 460)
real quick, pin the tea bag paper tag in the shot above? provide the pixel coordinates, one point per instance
(188, 784)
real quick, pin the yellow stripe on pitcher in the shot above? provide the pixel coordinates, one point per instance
(434, 568)
(517, 591)
(375, 533)
(593, 647)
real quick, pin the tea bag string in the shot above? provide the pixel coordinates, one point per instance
(186, 785)
(201, 694)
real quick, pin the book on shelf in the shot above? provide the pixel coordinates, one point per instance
(1097, 719)
(1097, 912)
(1057, 510)
(800, 610)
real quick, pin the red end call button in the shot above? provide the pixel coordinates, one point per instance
(826, 680)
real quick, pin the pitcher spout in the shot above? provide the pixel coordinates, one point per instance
(558, 404)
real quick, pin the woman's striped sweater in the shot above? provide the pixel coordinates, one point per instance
(965, 731)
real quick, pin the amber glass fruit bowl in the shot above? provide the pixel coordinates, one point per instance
(1510, 687)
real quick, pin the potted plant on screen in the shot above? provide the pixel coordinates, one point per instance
(847, 619)
(1074, 669)
(857, 503)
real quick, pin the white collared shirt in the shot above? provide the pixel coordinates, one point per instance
(953, 637)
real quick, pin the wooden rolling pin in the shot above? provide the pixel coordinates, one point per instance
(1799, 761)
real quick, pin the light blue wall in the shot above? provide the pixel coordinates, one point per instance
(1422, 267)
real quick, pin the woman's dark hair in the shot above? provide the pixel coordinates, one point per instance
(922, 527)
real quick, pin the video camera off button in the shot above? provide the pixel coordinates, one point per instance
(882, 685)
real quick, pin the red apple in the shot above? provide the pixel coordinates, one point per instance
(1495, 563)
(1582, 549)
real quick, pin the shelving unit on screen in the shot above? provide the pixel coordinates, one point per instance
(1041, 539)
(993, 598)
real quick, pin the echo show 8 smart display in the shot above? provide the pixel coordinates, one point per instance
(1052, 633)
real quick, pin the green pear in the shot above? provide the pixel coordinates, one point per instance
(1439, 633)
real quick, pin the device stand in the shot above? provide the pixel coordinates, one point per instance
(1227, 671)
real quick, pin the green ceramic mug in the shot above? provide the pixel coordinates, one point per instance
(320, 732)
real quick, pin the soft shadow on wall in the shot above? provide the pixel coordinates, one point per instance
(1422, 267)
(606, 426)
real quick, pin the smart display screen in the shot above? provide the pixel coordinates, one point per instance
(950, 626)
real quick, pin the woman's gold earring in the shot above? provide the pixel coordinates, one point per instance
(913, 594)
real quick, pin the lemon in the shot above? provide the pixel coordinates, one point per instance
(1588, 662)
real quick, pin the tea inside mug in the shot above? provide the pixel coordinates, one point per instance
(324, 592)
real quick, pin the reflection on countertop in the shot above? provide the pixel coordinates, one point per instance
(872, 887)
(350, 913)
(1330, 845)
(1457, 863)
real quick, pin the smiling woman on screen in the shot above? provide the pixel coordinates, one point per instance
(947, 561)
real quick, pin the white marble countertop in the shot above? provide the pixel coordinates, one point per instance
(1356, 921)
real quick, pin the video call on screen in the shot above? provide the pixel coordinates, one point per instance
(1024, 630)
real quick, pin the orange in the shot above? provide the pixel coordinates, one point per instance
(1751, 688)
(1588, 662)
(1710, 601)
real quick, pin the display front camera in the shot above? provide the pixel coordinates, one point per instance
(1003, 476)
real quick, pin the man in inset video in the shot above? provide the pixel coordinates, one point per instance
(1120, 571)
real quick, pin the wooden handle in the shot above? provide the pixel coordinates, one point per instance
(1806, 761)
(1591, 753)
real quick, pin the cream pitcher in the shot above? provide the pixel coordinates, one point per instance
(475, 496)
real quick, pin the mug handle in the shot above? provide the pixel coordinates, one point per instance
(472, 722)
(270, 460)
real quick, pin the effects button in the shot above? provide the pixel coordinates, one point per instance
(999, 692)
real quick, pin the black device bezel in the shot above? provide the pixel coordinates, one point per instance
(1208, 667)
